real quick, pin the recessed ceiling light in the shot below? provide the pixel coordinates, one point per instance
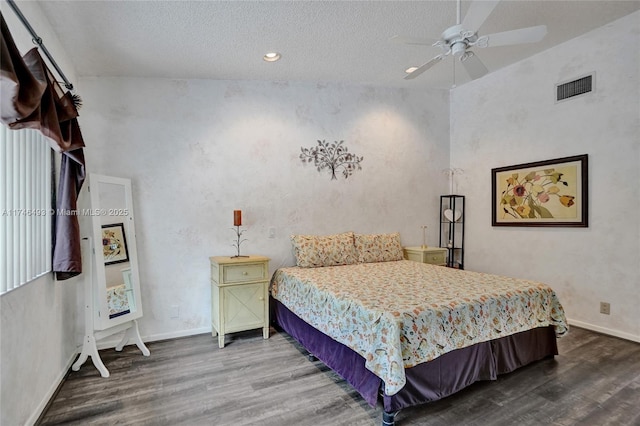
(410, 70)
(271, 56)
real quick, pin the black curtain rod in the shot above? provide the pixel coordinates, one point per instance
(39, 42)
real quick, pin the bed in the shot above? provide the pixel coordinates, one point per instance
(403, 332)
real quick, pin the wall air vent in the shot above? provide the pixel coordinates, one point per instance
(574, 88)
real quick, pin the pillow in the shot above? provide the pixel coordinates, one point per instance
(312, 251)
(378, 247)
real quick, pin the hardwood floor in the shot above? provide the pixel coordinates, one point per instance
(189, 381)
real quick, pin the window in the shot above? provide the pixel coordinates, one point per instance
(25, 207)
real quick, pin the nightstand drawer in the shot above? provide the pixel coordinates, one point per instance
(431, 255)
(241, 273)
(411, 255)
(435, 258)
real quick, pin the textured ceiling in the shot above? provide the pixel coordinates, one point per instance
(344, 41)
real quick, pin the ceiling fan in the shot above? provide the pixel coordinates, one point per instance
(458, 40)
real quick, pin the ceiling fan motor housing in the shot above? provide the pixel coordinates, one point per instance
(458, 40)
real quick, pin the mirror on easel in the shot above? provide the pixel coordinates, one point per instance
(112, 283)
(118, 253)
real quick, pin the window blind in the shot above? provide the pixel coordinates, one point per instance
(25, 207)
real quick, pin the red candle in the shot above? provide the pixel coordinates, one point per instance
(237, 218)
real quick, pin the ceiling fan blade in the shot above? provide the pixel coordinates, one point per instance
(474, 66)
(520, 36)
(412, 40)
(422, 68)
(478, 12)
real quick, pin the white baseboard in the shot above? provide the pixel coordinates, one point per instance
(177, 334)
(112, 341)
(604, 330)
(52, 390)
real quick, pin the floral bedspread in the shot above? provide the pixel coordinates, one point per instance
(402, 313)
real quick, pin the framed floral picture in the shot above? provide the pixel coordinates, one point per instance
(114, 244)
(543, 193)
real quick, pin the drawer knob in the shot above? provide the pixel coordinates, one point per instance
(245, 273)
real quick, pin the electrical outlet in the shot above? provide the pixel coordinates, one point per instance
(272, 232)
(174, 312)
(605, 308)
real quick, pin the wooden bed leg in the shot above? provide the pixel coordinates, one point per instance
(389, 418)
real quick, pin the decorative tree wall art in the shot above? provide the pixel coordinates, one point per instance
(334, 157)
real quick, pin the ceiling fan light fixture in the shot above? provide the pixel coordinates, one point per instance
(458, 49)
(271, 57)
(410, 70)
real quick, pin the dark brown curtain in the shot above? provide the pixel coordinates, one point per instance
(31, 98)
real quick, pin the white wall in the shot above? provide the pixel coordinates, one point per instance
(37, 320)
(508, 118)
(196, 150)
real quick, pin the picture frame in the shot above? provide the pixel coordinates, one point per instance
(114, 244)
(543, 193)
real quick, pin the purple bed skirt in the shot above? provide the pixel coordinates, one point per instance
(429, 381)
